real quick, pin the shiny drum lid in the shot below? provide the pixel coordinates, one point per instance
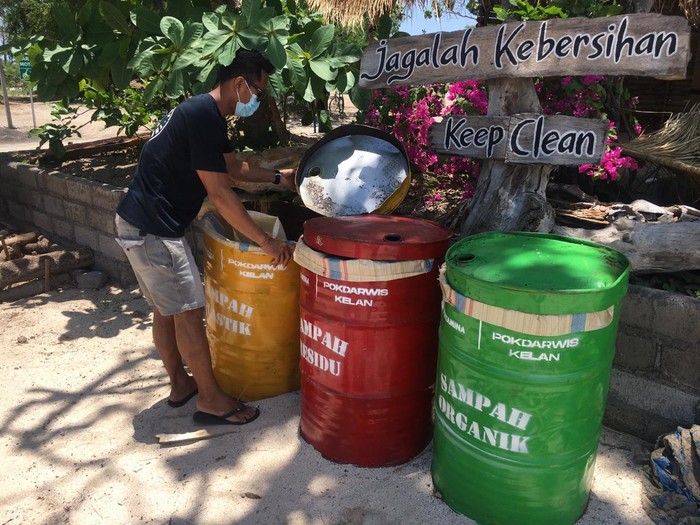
(377, 238)
(354, 170)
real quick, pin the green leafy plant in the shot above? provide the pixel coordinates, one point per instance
(102, 48)
(11, 70)
(523, 10)
(126, 109)
(60, 129)
(589, 8)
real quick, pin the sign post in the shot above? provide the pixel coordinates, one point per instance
(639, 44)
(518, 144)
(523, 138)
(25, 71)
(25, 68)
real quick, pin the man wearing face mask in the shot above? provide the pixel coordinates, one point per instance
(188, 158)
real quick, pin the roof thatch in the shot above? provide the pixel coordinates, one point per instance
(691, 9)
(353, 12)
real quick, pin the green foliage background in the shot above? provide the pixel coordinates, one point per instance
(131, 63)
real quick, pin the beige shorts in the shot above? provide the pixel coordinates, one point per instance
(165, 269)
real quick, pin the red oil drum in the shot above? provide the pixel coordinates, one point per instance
(370, 309)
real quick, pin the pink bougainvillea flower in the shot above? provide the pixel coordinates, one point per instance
(409, 112)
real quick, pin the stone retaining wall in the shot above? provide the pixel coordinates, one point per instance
(655, 381)
(70, 211)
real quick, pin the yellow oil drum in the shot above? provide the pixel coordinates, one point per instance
(252, 312)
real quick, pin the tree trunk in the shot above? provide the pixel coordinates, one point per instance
(278, 124)
(510, 197)
(256, 128)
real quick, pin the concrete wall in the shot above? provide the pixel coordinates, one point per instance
(655, 381)
(70, 211)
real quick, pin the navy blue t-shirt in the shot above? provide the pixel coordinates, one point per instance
(166, 192)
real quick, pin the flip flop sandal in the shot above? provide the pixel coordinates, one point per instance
(205, 418)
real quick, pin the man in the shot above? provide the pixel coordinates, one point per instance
(188, 158)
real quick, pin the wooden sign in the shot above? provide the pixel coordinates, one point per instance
(636, 44)
(525, 138)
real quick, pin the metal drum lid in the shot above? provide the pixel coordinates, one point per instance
(541, 273)
(376, 237)
(537, 262)
(354, 170)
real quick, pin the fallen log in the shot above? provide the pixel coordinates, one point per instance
(650, 247)
(33, 266)
(83, 149)
(43, 245)
(11, 244)
(9, 252)
(30, 289)
(21, 238)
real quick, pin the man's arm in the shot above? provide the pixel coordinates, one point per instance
(232, 210)
(244, 171)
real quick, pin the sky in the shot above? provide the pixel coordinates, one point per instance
(416, 24)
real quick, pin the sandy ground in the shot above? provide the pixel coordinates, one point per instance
(23, 118)
(84, 399)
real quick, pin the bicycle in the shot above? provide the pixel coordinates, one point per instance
(336, 103)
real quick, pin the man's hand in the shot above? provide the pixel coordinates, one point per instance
(288, 179)
(281, 251)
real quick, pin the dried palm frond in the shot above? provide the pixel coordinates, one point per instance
(691, 9)
(354, 12)
(676, 145)
(351, 13)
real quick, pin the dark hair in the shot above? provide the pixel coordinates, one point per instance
(248, 63)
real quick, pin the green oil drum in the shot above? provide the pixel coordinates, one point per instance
(526, 344)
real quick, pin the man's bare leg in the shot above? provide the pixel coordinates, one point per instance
(181, 383)
(192, 343)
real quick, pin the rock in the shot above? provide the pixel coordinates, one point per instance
(22, 340)
(91, 280)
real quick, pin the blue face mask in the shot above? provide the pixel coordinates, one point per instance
(250, 107)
